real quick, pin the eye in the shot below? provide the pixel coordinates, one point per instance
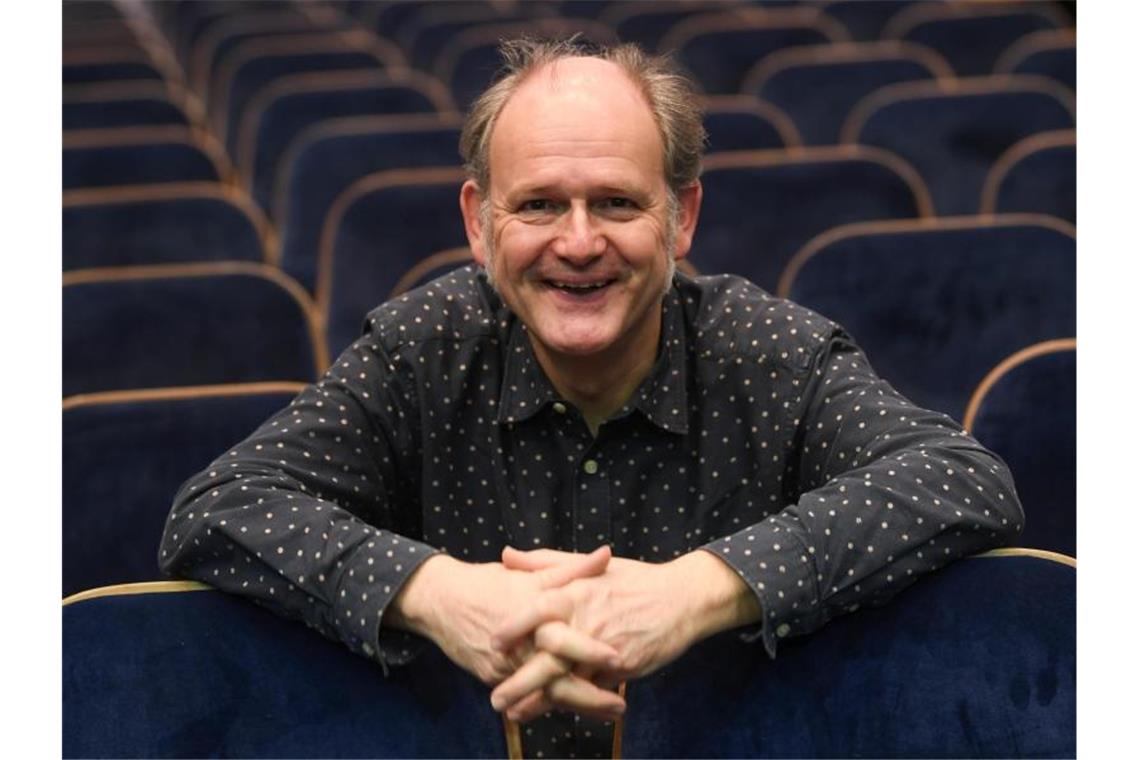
(536, 206)
(618, 207)
(620, 203)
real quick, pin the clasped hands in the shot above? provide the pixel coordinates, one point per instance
(550, 629)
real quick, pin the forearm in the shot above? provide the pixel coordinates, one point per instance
(719, 598)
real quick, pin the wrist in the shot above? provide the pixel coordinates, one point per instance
(414, 607)
(718, 599)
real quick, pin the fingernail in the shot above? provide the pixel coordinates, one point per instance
(614, 662)
(497, 702)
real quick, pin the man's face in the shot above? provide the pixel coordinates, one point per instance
(577, 230)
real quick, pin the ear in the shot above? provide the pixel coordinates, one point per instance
(470, 198)
(689, 199)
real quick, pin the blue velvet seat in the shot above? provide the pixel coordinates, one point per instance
(284, 109)
(126, 453)
(123, 104)
(1037, 175)
(187, 23)
(936, 304)
(740, 122)
(87, 12)
(646, 23)
(332, 155)
(718, 49)
(110, 71)
(198, 673)
(165, 223)
(431, 267)
(865, 19)
(977, 660)
(1051, 53)
(142, 155)
(971, 36)
(206, 324)
(954, 132)
(255, 63)
(817, 85)
(424, 33)
(470, 60)
(379, 228)
(1025, 410)
(761, 207)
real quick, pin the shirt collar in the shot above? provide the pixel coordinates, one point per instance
(661, 397)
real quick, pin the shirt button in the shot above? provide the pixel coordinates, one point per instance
(559, 407)
(783, 629)
(590, 466)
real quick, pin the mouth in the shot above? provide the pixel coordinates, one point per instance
(580, 291)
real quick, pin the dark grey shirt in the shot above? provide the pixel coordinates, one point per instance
(761, 435)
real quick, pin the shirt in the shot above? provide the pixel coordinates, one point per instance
(761, 435)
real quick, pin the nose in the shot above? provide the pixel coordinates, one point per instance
(579, 239)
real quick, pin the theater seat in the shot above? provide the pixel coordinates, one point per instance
(125, 453)
(1037, 175)
(937, 303)
(141, 156)
(188, 324)
(1025, 410)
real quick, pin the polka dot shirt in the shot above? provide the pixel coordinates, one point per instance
(761, 435)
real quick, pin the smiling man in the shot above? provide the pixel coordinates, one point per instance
(566, 465)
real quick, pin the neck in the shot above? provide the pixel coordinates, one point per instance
(599, 384)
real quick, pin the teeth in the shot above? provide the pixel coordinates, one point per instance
(574, 286)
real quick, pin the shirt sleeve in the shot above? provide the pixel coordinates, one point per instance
(879, 492)
(311, 516)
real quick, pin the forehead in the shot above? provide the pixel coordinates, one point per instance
(576, 115)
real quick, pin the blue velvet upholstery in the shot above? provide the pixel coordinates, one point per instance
(204, 674)
(649, 24)
(290, 114)
(141, 163)
(339, 153)
(740, 128)
(200, 226)
(1043, 181)
(1029, 418)
(190, 21)
(719, 60)
(110, 71)
(191, 330)
(92, 10)
(1059, 64)
(425, 35)
(260, 71)
(935, 309)
(123, 460)
(818, 96)
(978, 660)
(382, 235)
(865, 19)
(140, 111)
(953, 139)
(754, 218)
(972, 44)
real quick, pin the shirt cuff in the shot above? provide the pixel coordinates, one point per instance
(780, 572)
(378, 571)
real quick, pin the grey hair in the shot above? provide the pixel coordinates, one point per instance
(671, 96)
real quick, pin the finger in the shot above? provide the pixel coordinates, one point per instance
(535, 559)
(581, 566)
(578, 695)
(549, 606)
(534, 675)
(530, 707)
(561, 640)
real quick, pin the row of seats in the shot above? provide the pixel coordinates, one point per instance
(978, 660)
(126, 452)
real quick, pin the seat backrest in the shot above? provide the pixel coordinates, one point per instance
(434, 266)
(971, 36)
(719, 48)
(285, 108)
(377, 229)
(865, 19)
(164, 223)
(191, 324)
(1051, 53)
(817, 85)
(954, 131)
(935, 304)
(467, 64)
(761, 207)
(646, 23)
(979, 659)
(324, 160)
(185, 661)
(125, 453)
(1036, 175)
(1025, 410)
(741, 122)
(141, 155)
(139, 103)
(424, 34)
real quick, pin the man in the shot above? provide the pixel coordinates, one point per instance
(570, 397)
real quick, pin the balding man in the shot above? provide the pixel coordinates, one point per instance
(567, 464)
